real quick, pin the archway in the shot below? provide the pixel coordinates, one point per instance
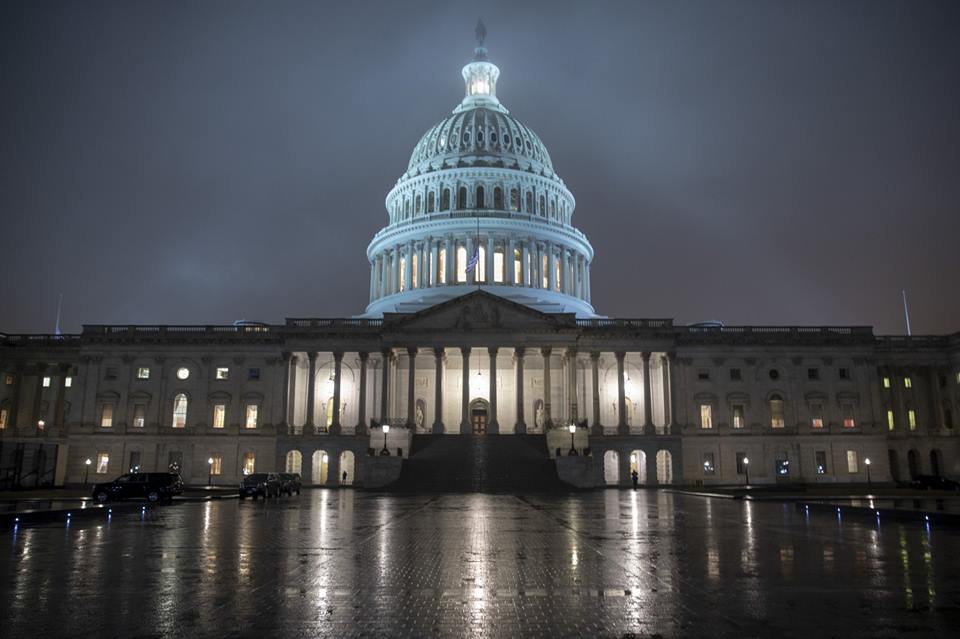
(913, 464)
(611, 468)
(294, 462)
(894, 464)
(936, 462)
(346, 468)
(479, 416)
(664, 467)
(638, 463)
(321, 464)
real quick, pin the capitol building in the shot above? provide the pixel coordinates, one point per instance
(480, 362)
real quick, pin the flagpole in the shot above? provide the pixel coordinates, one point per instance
(906, 311)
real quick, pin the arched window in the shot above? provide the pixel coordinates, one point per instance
(418, 208)
(480, 268)
(461, 265)
(543, 206)
(776, 411)
(611, 468)
(529, 202)
(498, 198)
(480, 199)
(430, 202)
(179, 411)
(406, 209)
(462, 197)
(445, 200)
(553, 209)
(514, 200)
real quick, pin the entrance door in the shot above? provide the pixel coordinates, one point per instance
(478, 416)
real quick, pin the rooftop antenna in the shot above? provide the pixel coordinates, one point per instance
(56, 328)
(906, 311)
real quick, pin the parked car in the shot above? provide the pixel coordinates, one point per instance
(290, 483)
(150, 486)
(260, 485)
(934, 482)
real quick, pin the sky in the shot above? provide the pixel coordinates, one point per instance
(754, 162)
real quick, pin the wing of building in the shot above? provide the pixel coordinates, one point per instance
(479, 355)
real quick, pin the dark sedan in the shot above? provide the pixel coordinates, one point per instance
(153, 487)
(290, 483)
(260, 485)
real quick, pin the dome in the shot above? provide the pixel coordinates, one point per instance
(480, 137)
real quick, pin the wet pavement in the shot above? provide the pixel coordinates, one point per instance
(600, 564)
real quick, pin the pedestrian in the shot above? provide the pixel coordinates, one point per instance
(343, 479)
(636, 478)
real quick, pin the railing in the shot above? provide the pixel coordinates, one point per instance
(906, 341)
(101, 329)
(46, 339)
(333, 322)
(818, 331)
(625, 323)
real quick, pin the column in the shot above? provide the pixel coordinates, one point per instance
(58, 411)
(564, 269)
(285, 406)
(551, 267)
(373, 277)
(586, 281)
(434, 262)
(422, 271)
(450, 258)
(647, 401)
(438, 391)
(547, 421)
(596, 429)
(509, 262)
(936, 402)
(465, 404)
(308, 427)
(292, 393)
(665, 375)
(572, 383)
(411, 381)
(488, 258)
(525, 264)
(384, 384)
(472, 275)
(521, 426)
(408, 268)
(38, 395)
(361, 428)
(494, 426)
(622, 428)
(580, 277)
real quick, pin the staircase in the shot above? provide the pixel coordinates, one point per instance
(478, 463)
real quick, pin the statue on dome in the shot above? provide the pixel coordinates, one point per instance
(481, 32)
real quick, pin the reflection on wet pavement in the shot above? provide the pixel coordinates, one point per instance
(610, 563)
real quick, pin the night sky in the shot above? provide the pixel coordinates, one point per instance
(752, 162)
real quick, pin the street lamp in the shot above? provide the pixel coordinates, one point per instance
(746, 469)
(867, 462)
(209, 471)
(386, 429)
(41, 424)
(573, 431)
(86, 475)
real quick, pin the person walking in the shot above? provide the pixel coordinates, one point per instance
(636, 478)
(343, 479)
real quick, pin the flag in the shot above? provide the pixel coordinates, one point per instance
(472, 264)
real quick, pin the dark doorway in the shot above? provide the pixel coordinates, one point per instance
(894, 465)
(936, 462)
(913, 467)
(479, 415)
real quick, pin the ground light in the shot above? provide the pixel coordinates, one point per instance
(573, 431)
(386, 429)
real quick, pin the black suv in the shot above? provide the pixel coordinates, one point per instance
(290, 483)
(151, 486)
(260, 485)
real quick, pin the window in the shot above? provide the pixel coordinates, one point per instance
(183, 372)
(46, 382)
(445, 200)
(843, 373)
(890, 422)
(741, 463)
(545, 270)
(958, 378)
(179, 411)
(431, 202)
(68, 382)
(776, 412)
(703, 375)
(846, 410)
(498, 266)
(886, 382)
(252, 410)
(110, 374)
(530, 210)
(498, 198)
(947, 417)
(853, 464)
(912, 419)
(253, 374)
(480, 199)
(816, 415)
(462, 197)
(139, 415)
(735, 375)
(249, 463)
(402, 285)
(103, 463)
(774, 374)
(219, 415)
(514, 200)
(418, 207)
(738, 416)
(106, 416)
(813, 373)
(907, 382)
(706, 416)
(708, 468)
(216, 466)
(820, 461)
(134, 466)
(461, 264)
(143, 373)
(517, 266)
(442, 265)
(8, 380)
(223, 372)
(3, 418)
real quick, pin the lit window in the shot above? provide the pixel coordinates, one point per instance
(481, 268)
(183, 372)
(442, 265)
(249, 463)
(106, 416)
(3, 418)
(544, 271)
(179, 411)
(886, 382)
(517, 266)
(252, 415)
(68, 382)
(223, 372)
(912, 419)
(217, 466)
(821, 462)
(776, 412)
(958, 379)
(907, 382)
(816, 415)
(8, 380)
(415, 271)
(738, 416)
(103, 463)
(139, 415)
(46, 382)
(706, 416)
(219, 415)
(708, 468)
(143, 373)
(461, 264)
(847, 411)
(890, 422)
(853, 463)
(498, 267)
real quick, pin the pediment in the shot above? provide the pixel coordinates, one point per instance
(479, 311)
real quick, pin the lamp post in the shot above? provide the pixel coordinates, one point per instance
(209, 471)
(573, 432)
(746, 469)
(86, 475)
(867, 462)
(386, 429)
